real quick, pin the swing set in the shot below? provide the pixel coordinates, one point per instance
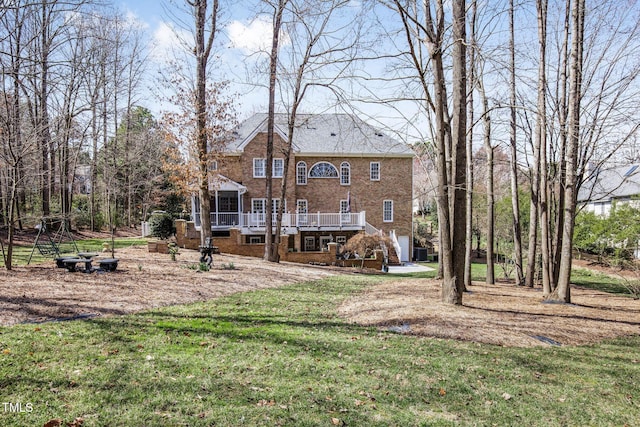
(53, 245)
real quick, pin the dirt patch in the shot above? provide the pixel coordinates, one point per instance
(143, 280)
(501, 314)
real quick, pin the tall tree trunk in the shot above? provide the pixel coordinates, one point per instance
(563, 290)
(541, 141)
(202, 51)
(453, 286)
(469, 148)
(562, 119)
(513, 163)
(488, 148)
(270, 250)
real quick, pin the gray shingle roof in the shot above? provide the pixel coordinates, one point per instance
(613, 183)
(325, 134)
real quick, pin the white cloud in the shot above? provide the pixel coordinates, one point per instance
(254, 37)
(251, 38)
(166, 39)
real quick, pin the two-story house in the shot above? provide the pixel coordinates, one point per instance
(606, 186)
(344, 176)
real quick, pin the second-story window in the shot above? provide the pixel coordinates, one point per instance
(323, 170)
(374, 171)
(345, 174)
(387, 211)
(259, 168)
(278, 168)
(301, 173)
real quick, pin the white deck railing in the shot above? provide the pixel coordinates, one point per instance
(307, 220)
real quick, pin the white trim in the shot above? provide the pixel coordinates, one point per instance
(371, 170)
(347, 166)
(222, 183)
(260, 129)
(324, 177)
(376, 155)
(298, 175)
(385, 211)
(324, 241)
(309, 247)
(273, 168)
(264, 167)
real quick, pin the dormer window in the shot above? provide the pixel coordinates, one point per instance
(323, 170)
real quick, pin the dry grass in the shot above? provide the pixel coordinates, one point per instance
(500, 314)
(143, 280)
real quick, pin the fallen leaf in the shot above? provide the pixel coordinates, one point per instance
(442, 392)
(336, 421)
(56, 422)
(6, 351)
(506, 396)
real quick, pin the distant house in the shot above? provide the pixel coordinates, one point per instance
(344, 176)
(82, 180)
(604, 187)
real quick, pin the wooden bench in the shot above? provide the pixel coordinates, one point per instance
(108, 264)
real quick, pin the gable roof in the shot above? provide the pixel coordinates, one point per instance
(324, 134)
(613, 183)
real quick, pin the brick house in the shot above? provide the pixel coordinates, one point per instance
(344, 177)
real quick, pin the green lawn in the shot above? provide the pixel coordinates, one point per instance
(283, 357)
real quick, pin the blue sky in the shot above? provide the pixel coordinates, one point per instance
(244, 34)
(241, 35)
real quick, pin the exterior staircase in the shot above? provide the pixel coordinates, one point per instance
(393, 257)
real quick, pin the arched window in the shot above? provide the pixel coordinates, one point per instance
(323, 170)
(345, 173)
(301, 173)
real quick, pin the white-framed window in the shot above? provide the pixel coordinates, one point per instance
(341, 240)
(309, 243)
(213, 165)
(301, 173)
(275, 203)
(258, 205)
(345, 209)
(323, 170)
(387, 211)
(324, 242)
(254, 240)
(345, 173)
(374, 171)
(302, 206)
(259, 168)
(278, 168)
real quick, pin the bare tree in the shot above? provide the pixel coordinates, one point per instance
(513, 161)
(271, 250)
(563, 291)
(470, 116)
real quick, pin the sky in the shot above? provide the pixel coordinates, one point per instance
(243, 35)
